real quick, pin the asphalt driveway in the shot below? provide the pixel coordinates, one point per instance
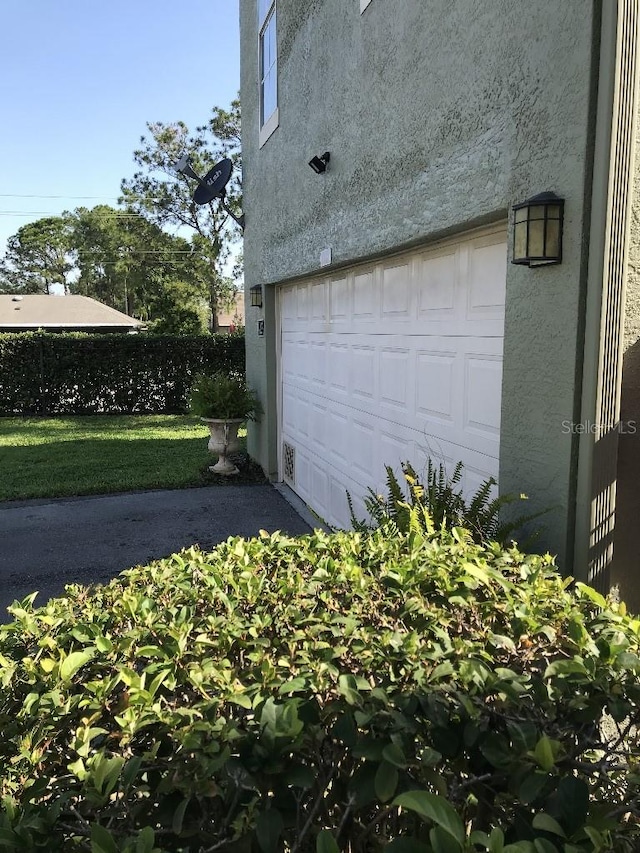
(46, 544)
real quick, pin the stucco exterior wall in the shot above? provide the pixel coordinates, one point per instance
(438, 116)
(626, 559)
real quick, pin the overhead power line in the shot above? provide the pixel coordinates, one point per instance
(77, 197)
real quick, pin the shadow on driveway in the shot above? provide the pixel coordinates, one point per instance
(46, 544)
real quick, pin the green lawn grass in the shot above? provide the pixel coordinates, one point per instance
(65, 456)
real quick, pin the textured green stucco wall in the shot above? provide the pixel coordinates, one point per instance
(438, 116)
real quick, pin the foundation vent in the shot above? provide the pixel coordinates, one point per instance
(289, 463)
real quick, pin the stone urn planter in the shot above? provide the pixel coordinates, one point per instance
(223, 402)
(224, 440)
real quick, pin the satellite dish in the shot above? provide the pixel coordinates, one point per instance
(214, 182)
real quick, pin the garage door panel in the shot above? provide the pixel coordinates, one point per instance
(436, 280)
(487, 272)
(483, 391)
(339, 367)
(395, 370)
(362, 446)
(319, 301)
(363, 371)
(339, 300)
(365, 297)
(397, 292)
(317, 363)
(393, 361)
(435, 376)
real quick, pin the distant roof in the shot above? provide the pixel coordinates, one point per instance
(60, 312)
(233, 314)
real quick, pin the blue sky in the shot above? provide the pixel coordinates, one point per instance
(80, 78)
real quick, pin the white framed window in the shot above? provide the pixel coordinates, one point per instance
(268, 68)
(363, 5)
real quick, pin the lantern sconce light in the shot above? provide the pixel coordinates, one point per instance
(537, 230)
(256, 296)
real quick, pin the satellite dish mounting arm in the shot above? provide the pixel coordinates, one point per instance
(238, 219)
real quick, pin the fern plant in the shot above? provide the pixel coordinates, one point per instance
(223, 397)
(440, 503)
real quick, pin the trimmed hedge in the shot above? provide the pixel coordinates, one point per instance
(77, 374)
(345, 692)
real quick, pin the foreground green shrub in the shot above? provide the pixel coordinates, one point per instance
(333, 692)
(77, 374)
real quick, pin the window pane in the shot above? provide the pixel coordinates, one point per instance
(271, 37)
(263, 10)
(269, 94)
(267, 41)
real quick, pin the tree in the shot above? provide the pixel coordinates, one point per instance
(39, 256)
(131, 264)
(165, 198)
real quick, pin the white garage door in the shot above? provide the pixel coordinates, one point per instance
(395, 360)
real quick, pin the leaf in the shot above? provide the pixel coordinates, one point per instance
(146, 840)
(269, 828)
(477, 572)
(293, 686)
(496, 840)
(107, 773)
(71, 664)
(496, 750)
(434, 808)
(394, 755)
(566, 667)
(442, 842)
(326, 843)
(101, 840)
(543, 753)
(548, 824)
(531, 787)
(625, 660)
(178, 816)
(386, 781)
(406, 845)
(242, 700)
(103, 644)
(8, 838)
(442, 671)
(151, 652)
(571, 803)
(430, 757)
(592, 595)
(345, 730)
(543, 845)
(300, 777)
(348, 688)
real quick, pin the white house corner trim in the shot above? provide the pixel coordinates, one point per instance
(269, 127)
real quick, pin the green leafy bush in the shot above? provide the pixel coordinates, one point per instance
(77, 374)
(412, 694)
(441, 502)
(223, 397)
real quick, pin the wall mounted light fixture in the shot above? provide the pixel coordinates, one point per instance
(256, 296)
(319, 163)
(537, 230)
